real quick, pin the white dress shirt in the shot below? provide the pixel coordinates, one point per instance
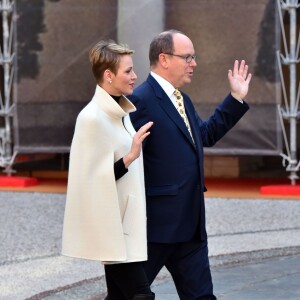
(166, 86)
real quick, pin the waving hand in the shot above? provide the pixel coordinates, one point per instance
(239, 80)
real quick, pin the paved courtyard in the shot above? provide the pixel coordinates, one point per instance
(254, 251)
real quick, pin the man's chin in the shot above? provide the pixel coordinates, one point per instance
(188, 80)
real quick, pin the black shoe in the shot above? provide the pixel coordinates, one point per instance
(207, 298)
(144, 297)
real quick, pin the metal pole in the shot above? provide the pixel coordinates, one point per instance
(7, 107)
(293, 113)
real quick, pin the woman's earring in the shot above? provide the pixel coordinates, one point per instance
(110, 81)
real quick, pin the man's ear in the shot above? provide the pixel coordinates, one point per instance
(163, 60)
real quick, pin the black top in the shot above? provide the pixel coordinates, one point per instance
(117, 98)
(120, 169)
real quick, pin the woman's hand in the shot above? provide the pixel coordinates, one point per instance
(136, 145)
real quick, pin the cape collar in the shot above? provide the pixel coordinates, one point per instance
(110, 106)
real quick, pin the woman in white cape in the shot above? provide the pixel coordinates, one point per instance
(105, 214)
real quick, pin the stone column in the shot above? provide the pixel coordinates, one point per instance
(138, 22)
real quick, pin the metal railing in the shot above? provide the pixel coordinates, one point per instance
(289, 111)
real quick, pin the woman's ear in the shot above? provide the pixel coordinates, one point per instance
(107, 76)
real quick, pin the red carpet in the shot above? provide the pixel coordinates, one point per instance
(17, 181)
(254, 188)
(280, 189)
(249, 188)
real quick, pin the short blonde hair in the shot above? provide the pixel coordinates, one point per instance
(106, 55)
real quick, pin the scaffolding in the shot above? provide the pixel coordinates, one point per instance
(7, 107)
(289, 111)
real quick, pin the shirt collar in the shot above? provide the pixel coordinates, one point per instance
(165, 85)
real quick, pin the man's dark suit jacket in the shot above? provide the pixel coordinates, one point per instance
(173, 164)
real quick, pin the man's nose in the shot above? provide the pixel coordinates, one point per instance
(193, 63)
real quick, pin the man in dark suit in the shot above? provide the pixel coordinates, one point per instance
(173, 161)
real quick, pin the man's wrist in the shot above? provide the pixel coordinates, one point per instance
(237, 97)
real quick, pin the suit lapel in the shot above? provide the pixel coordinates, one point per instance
(194, 127)
(167, 105)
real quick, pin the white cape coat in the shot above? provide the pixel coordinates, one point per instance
(104, 219)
